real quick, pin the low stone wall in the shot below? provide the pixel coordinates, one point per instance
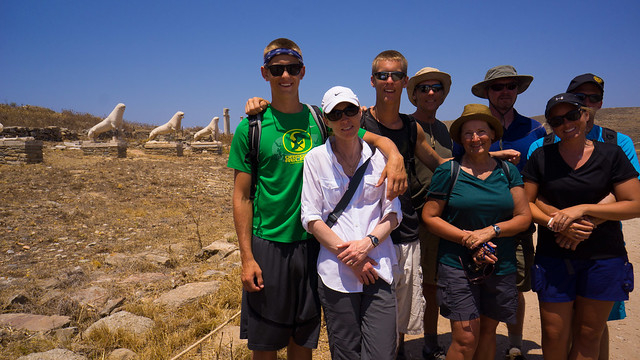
(163, 148)
(205, 147)
(110, 149)
(25, 150)
(50, 133)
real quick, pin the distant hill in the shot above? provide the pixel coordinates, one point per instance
(625, 120)
(40, 117)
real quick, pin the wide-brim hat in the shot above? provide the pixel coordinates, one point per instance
(475, 112)
(428, 73)
(501, 72)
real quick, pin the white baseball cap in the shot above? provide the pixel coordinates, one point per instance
(336, 95)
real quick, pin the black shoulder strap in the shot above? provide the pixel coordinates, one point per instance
(453, 178)
(609, 136)
(412, 127)
(317, 117)
(255, 131)
(346, 198)
(550, 138)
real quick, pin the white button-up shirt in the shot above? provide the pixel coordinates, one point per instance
(324, 184)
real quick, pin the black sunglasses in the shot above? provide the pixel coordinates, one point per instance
(336, 115)
(278, 70)
(499, 87)
(384, 75)
(594, 98)
(476, 273)
(572, 115)
(425, 88)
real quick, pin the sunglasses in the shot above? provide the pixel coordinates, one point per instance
(499, 87)
(425, 88)
(384, 75)
(593, 98)
(476, 273)
(278, 70)
(336, 115)
(572, 115)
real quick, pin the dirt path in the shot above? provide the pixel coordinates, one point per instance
(624, 335)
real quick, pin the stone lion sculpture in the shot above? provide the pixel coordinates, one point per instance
(112, 122)
(171, 126)
(211, 129)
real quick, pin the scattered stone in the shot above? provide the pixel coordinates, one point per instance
(110, 306)
(65, 334)
(159, 259)
(18, 299)
(221, 248)
(116, 259)
(55, 354)
(213, 273)
(34, 322)
(122, 354)
(94, 297)
(187, 293)
(146, 278)
(122, 320)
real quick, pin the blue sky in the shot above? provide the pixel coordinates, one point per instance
(159, 57)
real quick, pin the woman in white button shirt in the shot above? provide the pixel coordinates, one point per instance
(356, 259)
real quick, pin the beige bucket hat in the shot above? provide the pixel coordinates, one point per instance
(428, 73)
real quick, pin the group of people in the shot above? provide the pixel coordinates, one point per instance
(393, 219)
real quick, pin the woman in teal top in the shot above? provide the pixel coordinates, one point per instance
(476, 219)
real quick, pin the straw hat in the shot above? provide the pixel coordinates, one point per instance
(428, 73)
(501, 72)
(475, 112)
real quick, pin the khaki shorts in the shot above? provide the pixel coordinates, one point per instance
(429, 255)
(407, 280)
(524, 257)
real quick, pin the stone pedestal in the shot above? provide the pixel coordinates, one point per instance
(24, 150)
(112, 148)
(206, 147)
(163, 148)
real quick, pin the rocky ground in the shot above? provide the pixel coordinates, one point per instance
(113, 255)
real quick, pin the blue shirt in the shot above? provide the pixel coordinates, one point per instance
(595, 134)
(521, 133)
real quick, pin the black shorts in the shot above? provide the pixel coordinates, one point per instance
(288, 305)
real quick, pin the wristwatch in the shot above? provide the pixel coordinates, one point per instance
(374, 240)
(496, 228)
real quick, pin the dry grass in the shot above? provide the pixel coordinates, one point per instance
(60, 219)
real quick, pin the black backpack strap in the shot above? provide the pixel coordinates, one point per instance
(412, 126)
(550, 138)
(453, 178)
(317, 117)
(255, 132)
(609, 136)
(346, 198)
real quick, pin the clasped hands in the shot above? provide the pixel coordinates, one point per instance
(571, 226)
(354, 255)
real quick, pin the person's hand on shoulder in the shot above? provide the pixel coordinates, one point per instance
(510, 155)
(255, 106)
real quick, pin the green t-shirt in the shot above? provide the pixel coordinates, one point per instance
(475, 204)
(285, 140)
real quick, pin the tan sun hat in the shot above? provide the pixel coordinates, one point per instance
(500, 72)
(428, 73)
(475, 112)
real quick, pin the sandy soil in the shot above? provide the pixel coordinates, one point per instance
(624, 334)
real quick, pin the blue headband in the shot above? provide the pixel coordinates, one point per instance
(273, 53)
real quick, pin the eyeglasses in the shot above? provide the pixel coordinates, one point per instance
(499, 87)
(426, 88)
(336, 115)
(572, 115)
(278, 70)
(384, 75)
(593, 98)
